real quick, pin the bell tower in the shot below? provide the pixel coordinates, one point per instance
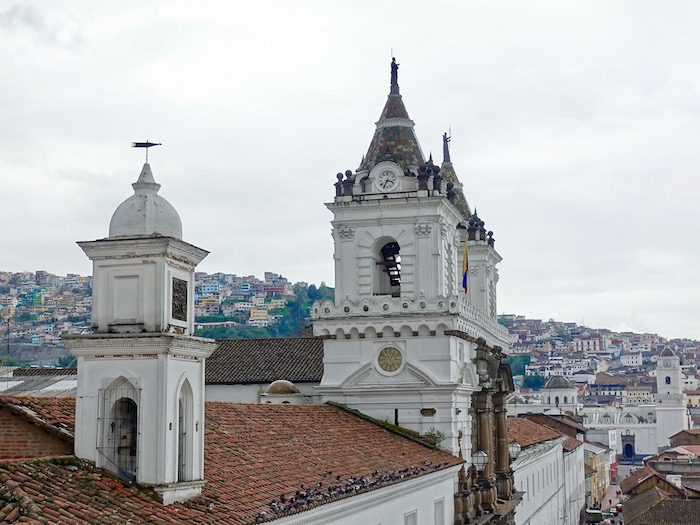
(670, 400)
(400, 338)
(140, 402)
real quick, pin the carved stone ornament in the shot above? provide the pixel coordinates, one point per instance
(346, 233)
(423, 228)
(179, 310)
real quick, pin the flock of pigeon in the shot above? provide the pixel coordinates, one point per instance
(335, 488)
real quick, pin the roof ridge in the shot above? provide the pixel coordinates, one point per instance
(395, 429)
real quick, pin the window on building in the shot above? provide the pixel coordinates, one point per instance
(185, 433)
(119, 429)
(411, 518)
(440, 512)
(668, 380)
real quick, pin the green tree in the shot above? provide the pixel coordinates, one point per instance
(67, 361)
(534, 382)
(24, 317)
(293, 323)
(517, 363)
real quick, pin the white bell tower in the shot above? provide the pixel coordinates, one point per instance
(400, 337)
(670, 400)
(140, 403)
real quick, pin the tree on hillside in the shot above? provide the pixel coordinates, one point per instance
(517, 363)
(294, 322)
(534, 382)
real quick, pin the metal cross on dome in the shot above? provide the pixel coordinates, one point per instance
(146, 145)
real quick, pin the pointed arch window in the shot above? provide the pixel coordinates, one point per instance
(185, 435)
(119, 429)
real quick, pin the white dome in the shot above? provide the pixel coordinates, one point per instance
(145, 213)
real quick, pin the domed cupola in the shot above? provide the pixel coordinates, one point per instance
(558, 383)
(145, 213)
(282, 392)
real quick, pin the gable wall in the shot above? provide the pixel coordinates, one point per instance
(21, 439)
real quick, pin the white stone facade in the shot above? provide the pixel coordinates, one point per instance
(431, 385)
(140, 402)
(425, 500)
(553, 482)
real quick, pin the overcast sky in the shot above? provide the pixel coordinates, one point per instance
(575, 129)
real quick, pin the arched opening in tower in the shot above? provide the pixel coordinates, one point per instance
(390, 264)
(125, 431)
(185, 436)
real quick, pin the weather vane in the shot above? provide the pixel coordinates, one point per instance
(145, 145)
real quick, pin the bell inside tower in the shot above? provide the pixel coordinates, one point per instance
(389, 279)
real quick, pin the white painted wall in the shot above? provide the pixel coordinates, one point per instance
(539, 473)
(417, 501)
(251, 393)
(574, 486)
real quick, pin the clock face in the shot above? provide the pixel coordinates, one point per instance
(390, 359)
(667, 362)
(387, 181)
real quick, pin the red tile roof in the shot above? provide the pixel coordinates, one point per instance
(631, 481)
(560, 423)
(266, 360)
(571, 444)
(658, 507)
(687, 449)
(254, 455)
(56, 414)
(527, 433)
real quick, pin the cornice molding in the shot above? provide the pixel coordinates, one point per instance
(138, 346)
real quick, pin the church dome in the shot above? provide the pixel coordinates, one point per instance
(282, 387)
(145, 213)
(558, 382)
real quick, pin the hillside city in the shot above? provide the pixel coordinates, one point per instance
(37, 308)
(598, 400)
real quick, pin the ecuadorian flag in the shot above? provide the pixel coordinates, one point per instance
(465, 267)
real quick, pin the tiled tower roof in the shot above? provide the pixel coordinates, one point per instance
(448, 174)
(394, 138)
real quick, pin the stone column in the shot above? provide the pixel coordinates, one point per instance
(504, 483)
(488, 492)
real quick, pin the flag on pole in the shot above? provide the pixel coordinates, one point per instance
(465, 266)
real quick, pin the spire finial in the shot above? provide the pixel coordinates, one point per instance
(446, 147)
(394, 77)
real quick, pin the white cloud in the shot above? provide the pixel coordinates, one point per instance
(574, 131)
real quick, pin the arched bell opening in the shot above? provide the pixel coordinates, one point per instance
(387, 270)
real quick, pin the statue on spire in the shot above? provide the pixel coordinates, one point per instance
(446, 148)
(394, 77)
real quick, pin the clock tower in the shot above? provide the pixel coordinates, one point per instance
(670, 400)
(400, 338)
